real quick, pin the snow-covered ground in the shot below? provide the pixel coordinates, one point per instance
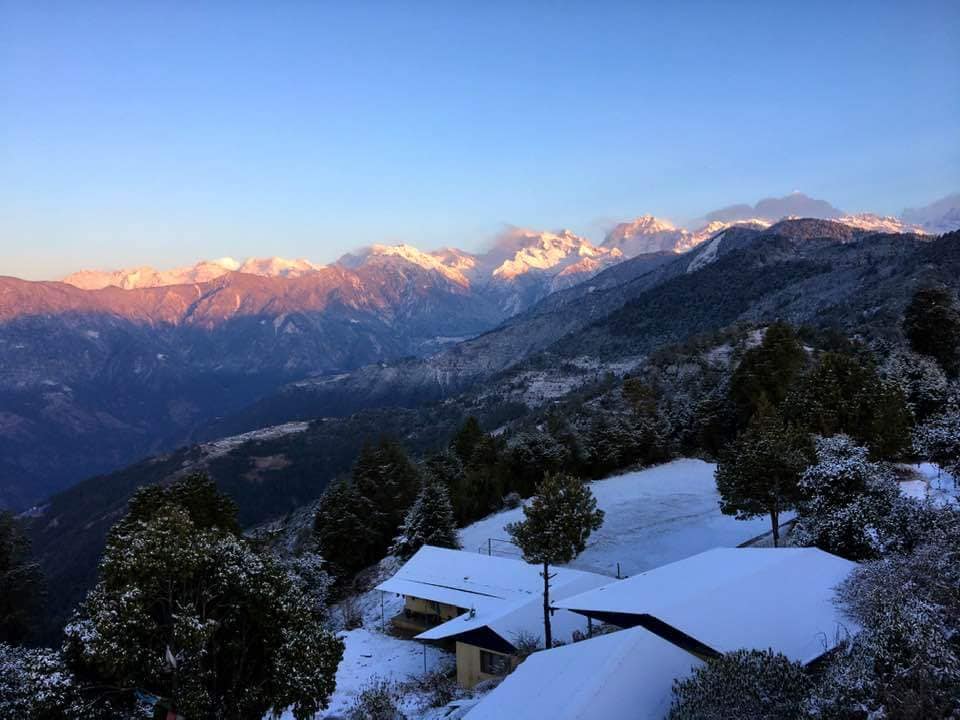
(928, 481)
(653, 517)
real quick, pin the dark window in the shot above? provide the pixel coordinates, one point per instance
(494, 664)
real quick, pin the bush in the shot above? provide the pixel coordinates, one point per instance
(746, 685)
(378, 700)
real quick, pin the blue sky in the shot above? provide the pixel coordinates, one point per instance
(165, 132)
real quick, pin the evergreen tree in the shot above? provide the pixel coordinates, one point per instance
(760, 473)
(429, 521)
(465, 440)
(846, 500)
(447, 469)
(938, 440)
(343, 530)
(766, 372)
(844, 394)
(532, 454)
(557, 523)
(744, 684)
(387, 482)
(932, 325)
(186, 610)
(21, 583)
(920, 380)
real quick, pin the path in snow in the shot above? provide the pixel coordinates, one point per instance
(653, 517)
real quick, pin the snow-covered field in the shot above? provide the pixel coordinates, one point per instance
(653, 517)
(929, 481)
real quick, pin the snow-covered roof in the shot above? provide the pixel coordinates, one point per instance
(505, 595)
(730, 598)
(627, 675)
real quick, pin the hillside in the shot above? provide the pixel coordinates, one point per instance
(861, 285)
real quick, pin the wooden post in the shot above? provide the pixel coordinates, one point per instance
(383, 622)
(489, 547)
(424, 658)
(547, 632)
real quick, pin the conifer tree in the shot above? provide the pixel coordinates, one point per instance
(21, 583)
(466, 439)
(760, 473)
(764, 375)
(387, 482)
(429, 521)
(846, 498)
(345, 537)
(931, 323)
(186, 610)
(557, 522)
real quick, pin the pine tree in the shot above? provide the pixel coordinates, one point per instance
(931, 323)
(844, 394)
(760, 473)
(846, 499)
(766, 372)
(429, 521)
(189, 612)
(387, 482)
(557, 522)
(938, 440)
(466, 439)
(345, 537)
(21, 583)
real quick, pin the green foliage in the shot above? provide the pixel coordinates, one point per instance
(931, 323)
(466, 439)
(938, 440)
(765, 373)
(429, 521)
(387, 481)
(344, 534)
(185, 609)
(844, 394)
(760, 473)
(905, 662)
(557, 521)
(21, 583)
(744, 684)
(846, 500)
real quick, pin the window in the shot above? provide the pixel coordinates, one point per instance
(493, 663)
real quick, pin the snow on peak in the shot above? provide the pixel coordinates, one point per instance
(451, 264)
(523, 251)
(203, 271)
(878, 223)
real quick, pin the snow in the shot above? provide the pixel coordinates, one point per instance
(731, 598)
(500, 593)
(707, 255)
(930, 482)
(653, 517)
(627, 675)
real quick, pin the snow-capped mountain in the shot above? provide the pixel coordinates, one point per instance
(879, 223)
(648, 234)
(938, 217)
(203, 271)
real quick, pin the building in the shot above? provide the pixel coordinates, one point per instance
(485, 607)
(626, 675)
(677, 616)
(731, 598)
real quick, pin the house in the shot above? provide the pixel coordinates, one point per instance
(626, 675)
(731, 598)
(483, 606)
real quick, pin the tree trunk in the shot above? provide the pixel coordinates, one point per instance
(547, 634)
(775, 523)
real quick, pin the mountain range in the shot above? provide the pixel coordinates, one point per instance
(823, 274)
(107, 367)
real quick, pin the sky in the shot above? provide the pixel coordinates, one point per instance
(161, 133)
